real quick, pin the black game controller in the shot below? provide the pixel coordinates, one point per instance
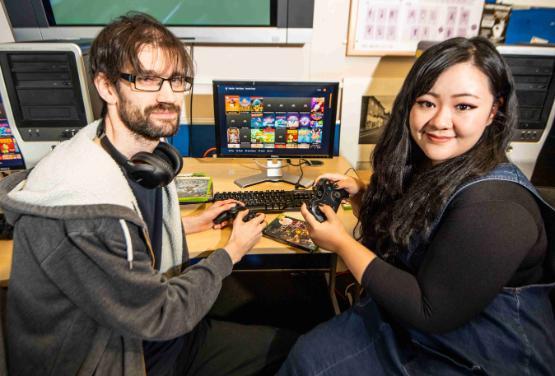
(229, 215)
(325, 192)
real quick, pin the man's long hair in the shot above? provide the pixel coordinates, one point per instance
(403, 199)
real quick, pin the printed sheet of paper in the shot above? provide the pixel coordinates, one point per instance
(396, 26)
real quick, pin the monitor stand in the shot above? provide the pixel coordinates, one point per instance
(274, 173)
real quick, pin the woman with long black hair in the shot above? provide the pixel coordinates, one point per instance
(455, 249)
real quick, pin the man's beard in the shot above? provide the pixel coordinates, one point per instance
(139, 123)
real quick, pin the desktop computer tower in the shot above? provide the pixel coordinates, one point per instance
(533, 68)
(47, 92)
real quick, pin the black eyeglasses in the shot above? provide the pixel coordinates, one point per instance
(179, 84)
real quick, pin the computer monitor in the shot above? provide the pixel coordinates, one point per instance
(275, 120)
(206, 21)
(10, 155)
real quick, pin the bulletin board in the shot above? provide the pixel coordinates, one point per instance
(394, 27)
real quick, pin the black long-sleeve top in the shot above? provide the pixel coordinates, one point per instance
(492, 235)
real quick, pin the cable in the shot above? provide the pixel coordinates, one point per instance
(190, 127)
(297, 184)
(302, 162)
(288, 161)
(208, 151)
(355, 171)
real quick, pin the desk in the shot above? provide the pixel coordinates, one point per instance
(267, 254)
(224, 172)
(5, 261)
(275, 255)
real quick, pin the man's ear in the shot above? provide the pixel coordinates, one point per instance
(496, 104)
(106, 89)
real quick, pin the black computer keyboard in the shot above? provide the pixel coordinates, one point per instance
(268, 201)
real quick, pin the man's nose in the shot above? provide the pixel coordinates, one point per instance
(166, 94)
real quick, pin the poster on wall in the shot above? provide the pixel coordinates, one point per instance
(374, 115)
(394, 27)
(369, 102)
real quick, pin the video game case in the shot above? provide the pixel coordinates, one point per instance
(194, 188)
(290, 231)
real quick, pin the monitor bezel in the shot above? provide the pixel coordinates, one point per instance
(269, 155)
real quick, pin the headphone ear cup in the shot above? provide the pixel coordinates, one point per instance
(171, 155)
(150, 170)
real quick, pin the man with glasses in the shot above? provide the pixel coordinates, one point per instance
(99, 283)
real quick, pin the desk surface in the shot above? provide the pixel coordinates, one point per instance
(224, 172)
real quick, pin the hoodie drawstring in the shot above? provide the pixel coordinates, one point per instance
(128, 242)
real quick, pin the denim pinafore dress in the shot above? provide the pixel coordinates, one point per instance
(513, 335)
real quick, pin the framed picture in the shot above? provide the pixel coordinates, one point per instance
(394, 27)
(367, 104)
(374, 114)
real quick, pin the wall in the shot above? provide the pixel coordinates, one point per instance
(323, 59)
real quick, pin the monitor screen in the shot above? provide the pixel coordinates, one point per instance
(275, 119)
(169, 12)
(10, 155)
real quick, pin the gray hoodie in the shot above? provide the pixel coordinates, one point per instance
(83, 294)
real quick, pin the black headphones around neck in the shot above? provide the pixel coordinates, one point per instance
(150, 170)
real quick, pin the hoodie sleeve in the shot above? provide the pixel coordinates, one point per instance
(91, 268)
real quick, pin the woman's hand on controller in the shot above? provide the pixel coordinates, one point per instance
(330, 234)
(348, 183)
(244, 235)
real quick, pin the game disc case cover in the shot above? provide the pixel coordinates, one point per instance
(193, 188)
(290, 231)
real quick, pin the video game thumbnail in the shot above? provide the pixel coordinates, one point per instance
(244, 104)
(269, 119)
(316, 123)
(316, 135)
(5, 129)
(281, 120)
(232, 135)
(305, 136)
(269, 135)
(304, 119)
(256, 120)
(257, 136)
(232, 103)
(292, 120)
(317, 108)
(257, 104)
(8, 145)
(292, 136)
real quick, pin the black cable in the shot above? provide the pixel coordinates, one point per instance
(189, 128)
(302, 162)
(355, 171)
(297, 184)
